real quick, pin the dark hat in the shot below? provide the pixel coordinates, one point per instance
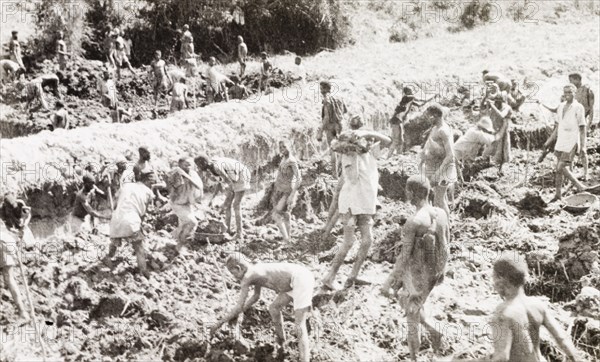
(15, 32)
(59, 104)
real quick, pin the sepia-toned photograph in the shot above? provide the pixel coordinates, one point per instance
(299, 180)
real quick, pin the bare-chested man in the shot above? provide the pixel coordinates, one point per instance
(437, 158)
(188, 57)
(61, 51)
(517, 321)
(120, 53)
(185, 189)
(503, 83)
(291, 282)
(179, 98)
(217, 83)
(14, 48)
(266, 69)
(162, 80)
(237, 176)
(34, 89)
(286, 189)
(421, 263)
(242, 53)
(14, 217)
(9, 70)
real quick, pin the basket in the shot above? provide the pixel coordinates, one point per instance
(580, 202)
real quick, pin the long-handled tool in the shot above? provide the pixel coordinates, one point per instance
(28, 294)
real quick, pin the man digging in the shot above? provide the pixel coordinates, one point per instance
(291, 282)
(14, 217)
(126, 221)
(237, 176)
(185, 189)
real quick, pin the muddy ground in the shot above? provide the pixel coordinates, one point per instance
(87, 311)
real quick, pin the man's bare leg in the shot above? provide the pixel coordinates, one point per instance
(366, 241)
(112, 251)
(287, 223)
(227, 206)
(434, 334)
(278, 218)
(275, 311)
(338, 260)
(331, 221)
(130, 68)
(584, 161)
(334, 213)
(303, 345)
(237, 206)
(563, 170)
(11, 285)
(440, 198)
(558, 180)
(140, 254)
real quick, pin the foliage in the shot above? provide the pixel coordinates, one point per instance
(59, 15)
(104, 16)
(301, 26)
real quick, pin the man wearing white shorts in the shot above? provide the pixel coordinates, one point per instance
(290, 282)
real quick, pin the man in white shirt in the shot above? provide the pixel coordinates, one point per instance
(569, 136)
(468, 145)
(358, 197)
(126, 221)
(298, 72)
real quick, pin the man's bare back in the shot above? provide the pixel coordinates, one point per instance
(428, 252)
(517, 324)
(275, 276)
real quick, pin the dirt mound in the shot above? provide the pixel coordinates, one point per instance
(532, 204)
(586, 334)
(478, 200)
(579, 250)
(559, 276)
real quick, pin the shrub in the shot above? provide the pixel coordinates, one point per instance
(103, 15)
(302, 26)
(475, 13)
(59, 15)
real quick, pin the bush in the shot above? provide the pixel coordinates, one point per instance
(475, 13)
(103, 16)
(59, 15)
(401, 33)
(301, 26)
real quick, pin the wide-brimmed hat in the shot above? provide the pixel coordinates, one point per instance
(486, 124)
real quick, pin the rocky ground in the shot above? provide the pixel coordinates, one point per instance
(86, 312)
